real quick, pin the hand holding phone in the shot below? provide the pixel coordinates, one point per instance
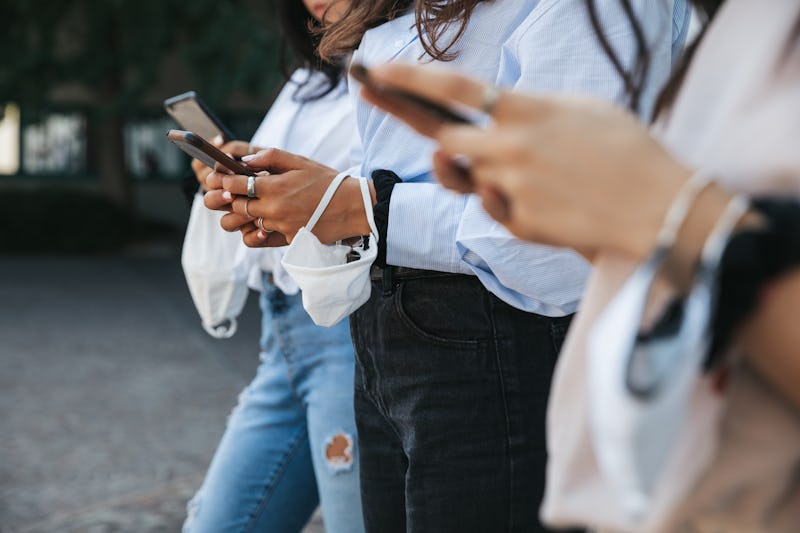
(197, 147)
(361, 74)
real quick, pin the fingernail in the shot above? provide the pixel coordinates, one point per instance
(227, 195)
(218, 140)
(249, 157)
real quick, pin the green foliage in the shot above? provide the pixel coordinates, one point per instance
(116, 49)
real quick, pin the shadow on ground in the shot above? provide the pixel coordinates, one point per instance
(112, 396)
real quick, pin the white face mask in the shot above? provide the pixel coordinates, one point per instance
(333, 278)
(216, 265)
(647, 392)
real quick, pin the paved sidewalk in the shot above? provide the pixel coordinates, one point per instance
(112, 397)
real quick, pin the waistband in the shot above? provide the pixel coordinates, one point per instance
(403, 273)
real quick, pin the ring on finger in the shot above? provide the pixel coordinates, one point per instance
(260, 224)
(251, 186)
(491, 93)
(246, 208)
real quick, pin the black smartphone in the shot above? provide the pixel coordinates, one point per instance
(361, 74)
(192, 114)
(198, 148)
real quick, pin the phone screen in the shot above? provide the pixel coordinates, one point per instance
(191, 114)
(198, 148)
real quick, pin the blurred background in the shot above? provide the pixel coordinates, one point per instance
(112, 397)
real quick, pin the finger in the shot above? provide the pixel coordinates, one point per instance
(262, 239)
(214, 180)
(452, 174)
(276, 160)
(425, 123)
(222, 169)
(441, 85)
(246, 207)
(236, 148)
(233, 222)
(237, 184)
(218, 200)
(474, 144)
(495, 204)
(248, 228)
(446, 87)
(200, 170)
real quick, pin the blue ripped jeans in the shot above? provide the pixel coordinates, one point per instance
(291, 442)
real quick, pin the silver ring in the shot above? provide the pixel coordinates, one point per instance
(251, 186)
(246, 210)
(491, 93)
(260, 224)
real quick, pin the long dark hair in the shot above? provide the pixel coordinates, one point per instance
(301, 37)
(635, 78)
(433, 19)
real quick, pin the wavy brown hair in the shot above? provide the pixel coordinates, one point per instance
(433, 18)
(635, 78)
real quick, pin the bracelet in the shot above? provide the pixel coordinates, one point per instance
(679, 209)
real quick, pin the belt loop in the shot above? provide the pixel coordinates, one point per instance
(388, 280)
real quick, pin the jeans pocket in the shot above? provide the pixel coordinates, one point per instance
(432, 317)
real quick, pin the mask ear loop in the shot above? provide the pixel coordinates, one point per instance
(325, 200)
(645, 373)
(367, 197)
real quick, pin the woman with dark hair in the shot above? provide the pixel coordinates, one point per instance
(457, 342)
(585, 174)
(291, 443)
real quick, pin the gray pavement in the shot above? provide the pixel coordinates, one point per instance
(112, 397)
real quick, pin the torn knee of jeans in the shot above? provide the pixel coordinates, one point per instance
(338, 450)
(238, 407)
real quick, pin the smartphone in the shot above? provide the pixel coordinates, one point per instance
(192, 114)
(198, 148)
(361, 74)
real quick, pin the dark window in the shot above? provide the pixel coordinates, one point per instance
(54, 143)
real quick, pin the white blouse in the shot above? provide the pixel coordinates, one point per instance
(322, 130)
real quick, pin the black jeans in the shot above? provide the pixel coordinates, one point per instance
(451, 395)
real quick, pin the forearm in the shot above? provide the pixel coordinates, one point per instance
(771, 336)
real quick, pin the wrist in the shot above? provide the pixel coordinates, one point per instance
(349, 203)
(681, 263)
(650, 213)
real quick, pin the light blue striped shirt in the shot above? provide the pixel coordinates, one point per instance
(528, 45)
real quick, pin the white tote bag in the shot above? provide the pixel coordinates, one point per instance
(216, 266)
